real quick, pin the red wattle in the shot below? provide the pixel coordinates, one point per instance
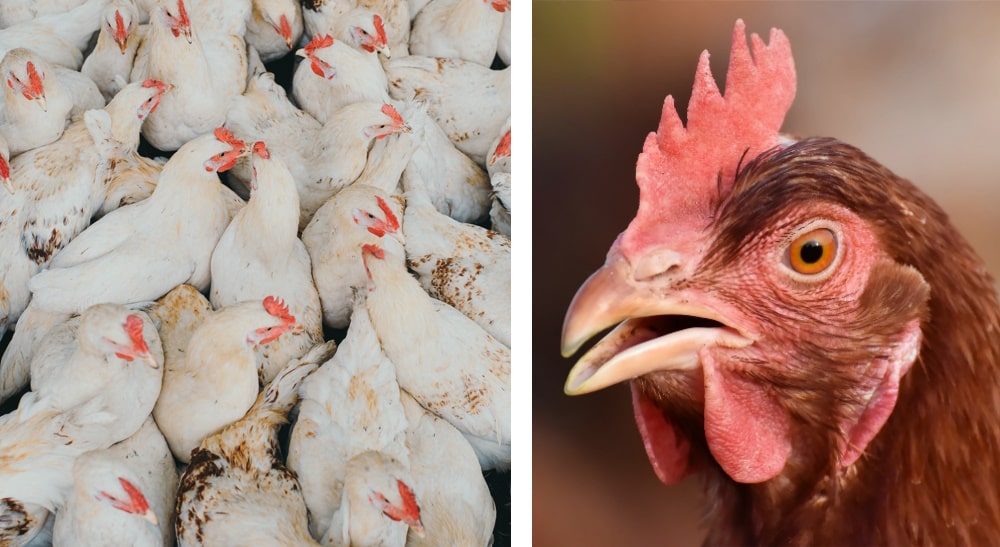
(746, 430)
(667, 448)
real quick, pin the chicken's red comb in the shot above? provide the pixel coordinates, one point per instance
(284, 28)
(277, 308)
(4, 169)
(35, 86)
(318, 42)
(226, 136)
(391, 111)
(161, 86)
(182, 16)
(380, 30)
(136, 503)
(260, 149)
(133, 328)
(390, 218)
(503, 148)
(681, 171)
(120, 35)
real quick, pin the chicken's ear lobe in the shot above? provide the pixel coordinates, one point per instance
(892, 308)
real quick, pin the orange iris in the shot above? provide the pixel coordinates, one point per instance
(813, 252)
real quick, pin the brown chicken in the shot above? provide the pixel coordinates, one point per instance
(801, 326)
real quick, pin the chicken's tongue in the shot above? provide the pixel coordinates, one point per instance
(746, 430)
(667, 448)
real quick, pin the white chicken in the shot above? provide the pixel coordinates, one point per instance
(455, 502)
(84, 356)
(122, 495)
(56, 191)
(215, 379)
(349, 406)
(469, 101)
(377, 506)
(110, 63)
(463, 265)
(59, 38)
(40, 99)
(318, 173)
(275, 26)
(264, 111)
(334, 242)
(455, 184)
(260, 254)
(464, 377)
(395, 16)
(184, 216)
(206, 64)
(40, 441)
(362, 29)
(459, 29)
(346, 21)
(317, 88)
(236, 490)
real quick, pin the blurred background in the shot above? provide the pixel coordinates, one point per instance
(915, 85)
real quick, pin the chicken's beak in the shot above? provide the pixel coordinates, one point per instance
(149, 359)
(150, 517)
(40, 100)
(639, 344)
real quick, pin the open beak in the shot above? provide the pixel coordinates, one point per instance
(645, 339)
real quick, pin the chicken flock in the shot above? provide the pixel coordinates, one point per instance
(316, 233)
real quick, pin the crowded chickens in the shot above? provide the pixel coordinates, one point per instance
(256, 272)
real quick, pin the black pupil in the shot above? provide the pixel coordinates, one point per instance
(811, 252)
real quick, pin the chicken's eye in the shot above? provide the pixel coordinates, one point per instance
(813, 252)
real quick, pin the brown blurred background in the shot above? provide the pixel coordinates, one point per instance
(915, 85)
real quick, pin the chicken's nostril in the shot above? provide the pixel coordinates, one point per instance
(656, 263)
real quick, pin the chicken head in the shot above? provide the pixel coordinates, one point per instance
(319, 66)
(764, 309)
(23, 76)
